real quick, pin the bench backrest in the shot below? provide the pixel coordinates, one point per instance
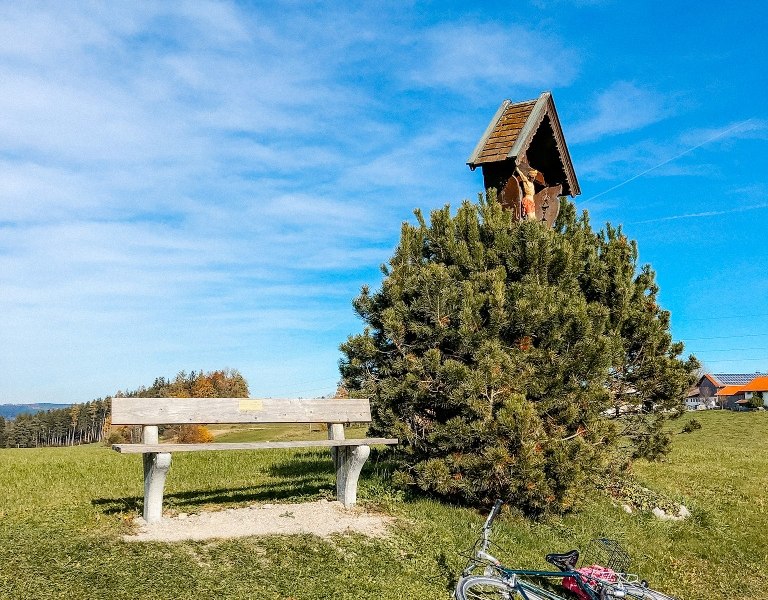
(174, 411)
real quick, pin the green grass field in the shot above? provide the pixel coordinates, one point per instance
(63, 512)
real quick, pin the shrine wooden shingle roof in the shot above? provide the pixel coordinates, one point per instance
(505, 132)
(512, 129)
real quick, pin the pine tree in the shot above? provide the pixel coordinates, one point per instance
(487, 354)
(647, 377)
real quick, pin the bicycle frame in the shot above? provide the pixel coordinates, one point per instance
(493, 567)
(516, 578)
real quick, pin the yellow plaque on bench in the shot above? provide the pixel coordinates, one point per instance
(250, 404)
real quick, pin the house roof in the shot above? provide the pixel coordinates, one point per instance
(511, 131)
(734, 378)
(729, 390)
(712, 378)
(758, 384)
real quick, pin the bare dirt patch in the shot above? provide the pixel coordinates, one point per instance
(322, 518)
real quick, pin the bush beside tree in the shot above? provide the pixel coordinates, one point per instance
(194, 434)
(756, 401)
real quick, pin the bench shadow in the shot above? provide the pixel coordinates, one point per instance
(310, 465)
(303, 475)
(223, 496)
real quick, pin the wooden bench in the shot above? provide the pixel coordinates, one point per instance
(349, 456)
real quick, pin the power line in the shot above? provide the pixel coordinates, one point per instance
(727, 350)
(723, 337)
(727, 317)
(765, 358)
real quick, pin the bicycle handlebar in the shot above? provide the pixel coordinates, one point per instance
(494, 514)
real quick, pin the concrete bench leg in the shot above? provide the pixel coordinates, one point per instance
(335, 432)
(156, 465)
(349, 462)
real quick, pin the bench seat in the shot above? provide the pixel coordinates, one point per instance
(143, 448)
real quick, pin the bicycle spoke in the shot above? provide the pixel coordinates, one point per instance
(483, 588)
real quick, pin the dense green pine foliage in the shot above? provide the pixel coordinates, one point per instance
(495, 351)
(645, 369)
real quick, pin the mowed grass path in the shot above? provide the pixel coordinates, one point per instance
(63, 512)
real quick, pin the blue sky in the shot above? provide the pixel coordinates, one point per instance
(201, 185)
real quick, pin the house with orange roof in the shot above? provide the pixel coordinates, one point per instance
(758, 386)
(739, 397)
(724, 390)
(731, 396)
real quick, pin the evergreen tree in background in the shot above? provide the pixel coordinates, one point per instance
(494, 350)
(76, 424)
(222, 383)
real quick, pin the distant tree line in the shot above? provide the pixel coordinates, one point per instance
(77, 424)
(89, 422)
(226, 383)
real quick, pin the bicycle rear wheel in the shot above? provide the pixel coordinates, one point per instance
(479, 587)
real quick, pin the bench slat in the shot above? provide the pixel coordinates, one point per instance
(203, 411)
(144, 448)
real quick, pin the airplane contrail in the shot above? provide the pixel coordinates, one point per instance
(669, 160)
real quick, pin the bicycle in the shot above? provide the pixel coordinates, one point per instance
(500, 582)
(607, 568)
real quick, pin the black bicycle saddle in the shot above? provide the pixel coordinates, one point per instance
(565, 561)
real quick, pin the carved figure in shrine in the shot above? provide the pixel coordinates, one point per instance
(523, 143)
(527, 204)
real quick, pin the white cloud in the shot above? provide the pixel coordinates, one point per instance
(621, 108)
(668, 158)
(184, 177)
(620, 161)
(205, 184)
(473, 57)
(649, 157)
(175, 192)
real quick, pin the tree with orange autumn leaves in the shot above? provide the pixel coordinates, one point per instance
(226, 383)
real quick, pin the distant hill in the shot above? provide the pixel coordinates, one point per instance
(11, 411)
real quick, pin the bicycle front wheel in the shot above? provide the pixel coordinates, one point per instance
(479, 587)
(638, 592)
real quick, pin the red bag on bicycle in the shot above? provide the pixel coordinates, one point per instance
(589, 575)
